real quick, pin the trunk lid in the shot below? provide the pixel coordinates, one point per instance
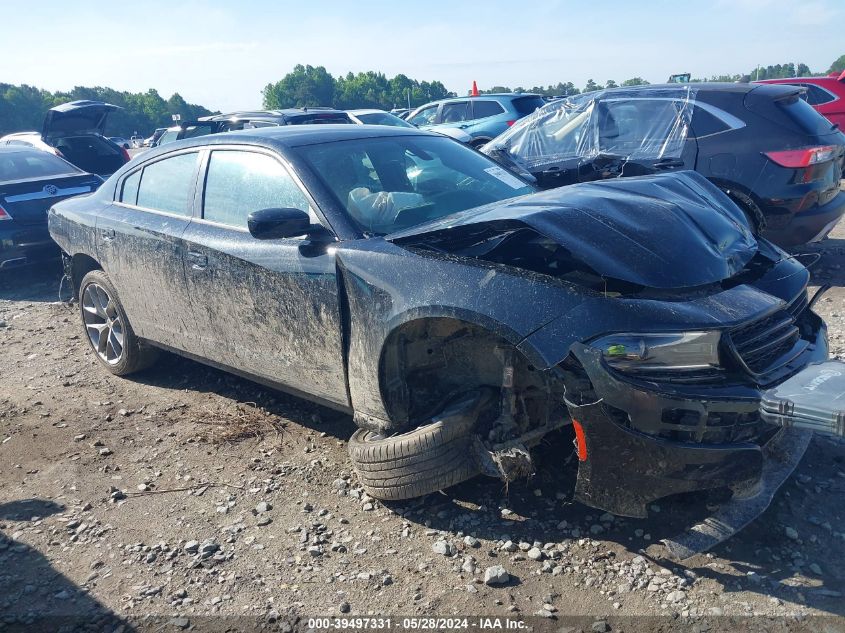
(77, 118)
(27, 201)
(661, 231)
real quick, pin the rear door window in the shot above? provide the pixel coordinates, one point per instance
(455, 112)
(168, 185)
(240, 182)
(483, 109)
(638, 127)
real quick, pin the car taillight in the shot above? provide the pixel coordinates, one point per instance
(126, 156)
(4, 215)
(805, 157)
(510, 123)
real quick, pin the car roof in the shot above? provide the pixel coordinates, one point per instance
(369, 111)
(267, 114)
(19, 149)
(494, 95)
(781, 80)
(703, 87)
(294, 136)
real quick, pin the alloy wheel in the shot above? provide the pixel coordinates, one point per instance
(102, 323)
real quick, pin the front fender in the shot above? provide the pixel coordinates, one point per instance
(387, 286)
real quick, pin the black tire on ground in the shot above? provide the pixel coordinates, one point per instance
(136, 354)
(413, 464)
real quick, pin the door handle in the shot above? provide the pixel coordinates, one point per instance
(668, 163)
(198, 260)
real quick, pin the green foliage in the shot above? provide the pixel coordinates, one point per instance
(310, 86)
(22, 108)
(635, 81)
(591, 86)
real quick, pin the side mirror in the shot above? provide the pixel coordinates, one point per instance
(271, 224)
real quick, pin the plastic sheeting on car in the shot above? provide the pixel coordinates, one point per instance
(635, 124)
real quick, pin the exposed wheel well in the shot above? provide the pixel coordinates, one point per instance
(750, 208)
(427, 362)
(81, 265)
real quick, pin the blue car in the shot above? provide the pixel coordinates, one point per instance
(483, 117)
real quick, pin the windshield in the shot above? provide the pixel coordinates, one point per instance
(382, 118)
(24, 165)
(391, 183)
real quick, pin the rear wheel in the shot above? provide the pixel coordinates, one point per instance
(425, 460)
(108, 329)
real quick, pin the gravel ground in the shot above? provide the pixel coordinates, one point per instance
(187, 493)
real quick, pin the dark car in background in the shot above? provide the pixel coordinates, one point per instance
(825, 94)
(483, 117)
(458, 314)
(251, 119)
(763, 145)
(75, 131)
(30, 182)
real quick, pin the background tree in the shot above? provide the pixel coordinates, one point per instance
(838, 66)
(22, 108)
(591, 86)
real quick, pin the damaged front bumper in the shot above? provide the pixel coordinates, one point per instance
(637, 443)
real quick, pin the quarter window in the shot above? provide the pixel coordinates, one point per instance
(239, 183)
(129, 194)
(167, 185)
(705, 123)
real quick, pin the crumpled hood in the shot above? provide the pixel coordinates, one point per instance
(661, 231)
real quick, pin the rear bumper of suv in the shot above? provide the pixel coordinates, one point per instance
(643, 441)
(22, 246)
(812, 225)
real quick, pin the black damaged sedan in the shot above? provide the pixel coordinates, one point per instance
(459, 315)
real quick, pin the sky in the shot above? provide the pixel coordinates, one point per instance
(221, 54)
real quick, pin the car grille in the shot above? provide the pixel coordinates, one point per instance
(694, 427)
(708, 375)
(769, 343)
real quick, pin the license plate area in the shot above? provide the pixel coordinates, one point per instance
(813, 399)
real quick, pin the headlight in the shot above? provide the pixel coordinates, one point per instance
(644, 352)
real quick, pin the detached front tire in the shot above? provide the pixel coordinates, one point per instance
(429, 458)
(107, 327)
(412, 464)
